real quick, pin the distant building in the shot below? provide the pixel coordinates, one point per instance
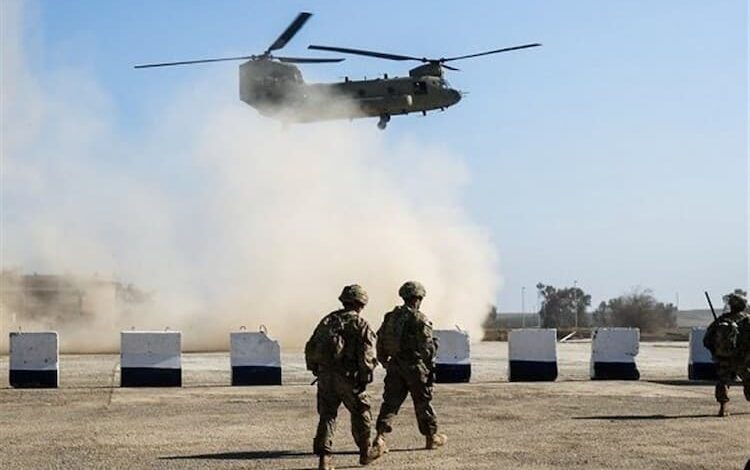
(42, 301)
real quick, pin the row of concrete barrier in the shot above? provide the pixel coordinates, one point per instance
(154, 359)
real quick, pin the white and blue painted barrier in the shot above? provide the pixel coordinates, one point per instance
(255, 359)
(453, 363)
(150, 359)
(613, 352)
(532, 355)
(34, 358)
(701, 365)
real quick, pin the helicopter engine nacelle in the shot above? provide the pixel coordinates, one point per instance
(269, 86)
(430, 69)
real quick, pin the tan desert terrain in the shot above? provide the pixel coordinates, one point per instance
(661, 421)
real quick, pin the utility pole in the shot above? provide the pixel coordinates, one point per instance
(523, 307)
(575, 300)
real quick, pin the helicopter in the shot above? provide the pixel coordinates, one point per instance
(274, 86)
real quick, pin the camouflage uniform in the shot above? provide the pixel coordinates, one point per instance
(410, 371)
(345, 380)
(728, 368)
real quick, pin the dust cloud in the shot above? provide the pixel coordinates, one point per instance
(224, 218)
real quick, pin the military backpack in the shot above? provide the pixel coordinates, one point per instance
(326, 346)
(393, 331)
(722, 338)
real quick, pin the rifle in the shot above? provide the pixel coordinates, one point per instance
(713, 312)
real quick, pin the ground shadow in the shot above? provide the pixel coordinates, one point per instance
(243, 455)
(681, 382)
(652, 417)
(266, 454)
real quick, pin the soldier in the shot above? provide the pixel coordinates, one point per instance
(407, 350)
(341, 355)
(728, 339)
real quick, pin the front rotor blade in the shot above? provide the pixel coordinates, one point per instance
(450, 68)
(306, 60)
(496, 51)
(379, 55)
(290, 31)
(188, 62)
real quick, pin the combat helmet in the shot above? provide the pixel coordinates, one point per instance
(354, 293)
(412, 289)
(737, 300)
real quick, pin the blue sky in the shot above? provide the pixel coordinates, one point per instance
(614, 156)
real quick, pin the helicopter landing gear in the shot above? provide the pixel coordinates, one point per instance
(384, 118)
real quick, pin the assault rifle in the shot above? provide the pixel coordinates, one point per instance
(713, 312)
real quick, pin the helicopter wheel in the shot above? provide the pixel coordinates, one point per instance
(384, 118)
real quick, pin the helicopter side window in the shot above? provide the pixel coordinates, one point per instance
(420, 88)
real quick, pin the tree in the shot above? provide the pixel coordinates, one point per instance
(565, 307)
(637, 309)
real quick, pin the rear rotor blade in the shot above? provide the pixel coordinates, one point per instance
(450, 68)
(290, 31)
(496, 51)
(379, 55)
(306, 60)
(188, 62)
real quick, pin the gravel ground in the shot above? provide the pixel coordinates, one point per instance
(661, 421)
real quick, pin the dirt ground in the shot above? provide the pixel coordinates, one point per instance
(662, 421)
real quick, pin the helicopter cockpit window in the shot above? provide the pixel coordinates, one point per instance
(420, 88)
(444, 83)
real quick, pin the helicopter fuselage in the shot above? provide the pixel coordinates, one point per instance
(278, 90)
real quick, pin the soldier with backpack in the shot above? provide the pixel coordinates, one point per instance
(341, 355)
(407, 350)
(728, 339)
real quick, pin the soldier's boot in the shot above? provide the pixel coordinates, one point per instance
(379, 446)
(325, 462)
(373, 452)
(723, 412)
(746, 388)
(436, 440)
(368, 454)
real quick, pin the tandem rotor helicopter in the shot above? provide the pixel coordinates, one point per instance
(275, 87)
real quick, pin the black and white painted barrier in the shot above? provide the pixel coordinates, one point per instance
(532, 355)
(150, 359)
(255, 359)
(701, 365)
(34, 358)
(613, 352)
(453, 362)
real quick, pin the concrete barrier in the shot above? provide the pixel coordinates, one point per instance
(255, 359)
(34, 359)
(150, 359)
(613, 352)
(701, 365)
(453, 357)
(532, 355)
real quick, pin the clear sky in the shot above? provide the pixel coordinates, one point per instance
(614, 156)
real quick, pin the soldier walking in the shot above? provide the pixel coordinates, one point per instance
(341, 355)
(407, 350)
(728, 339)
